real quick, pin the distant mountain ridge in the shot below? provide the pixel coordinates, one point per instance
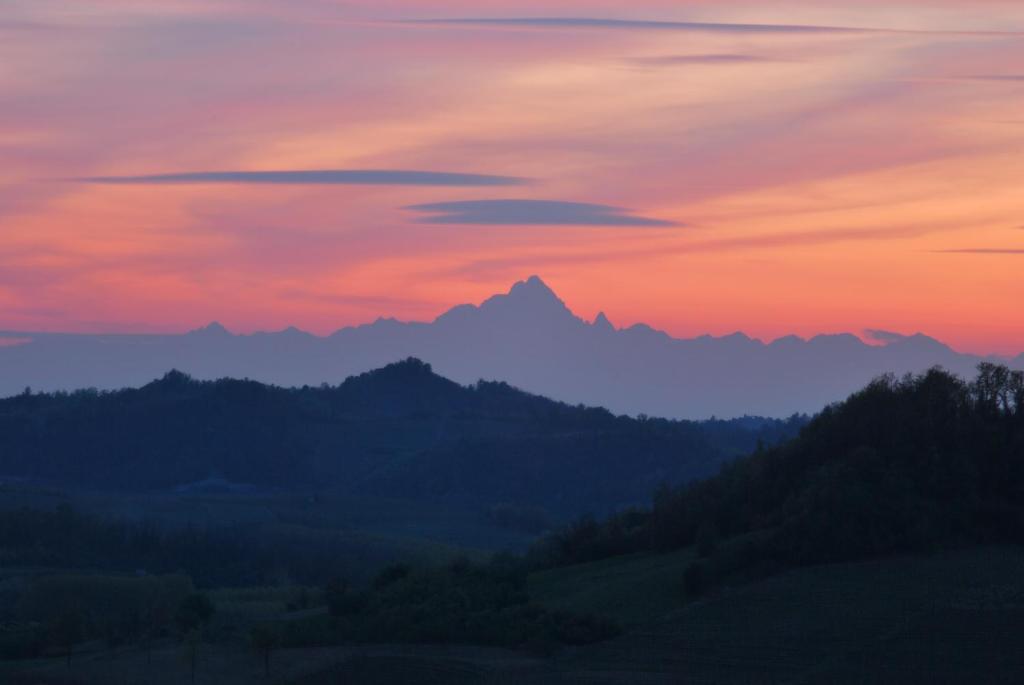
(528, 337)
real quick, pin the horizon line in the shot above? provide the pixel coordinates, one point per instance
(865, 336)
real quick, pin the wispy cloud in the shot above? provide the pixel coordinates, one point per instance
(683, 26)
(712, 59)
(881, 336)
(517, 264)
(369, 301)
(530, 213)
(314, 177)
(13, 26)
(13, 342)
(636, 25)
(984, 250)
(1013, 78)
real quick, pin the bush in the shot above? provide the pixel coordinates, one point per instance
(707, 539)
(341, 599)
(117, 609)
(696, 579)
(194, 612)
(391, 574)
(461, 602)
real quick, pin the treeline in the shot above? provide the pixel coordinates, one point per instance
(399, 431)
(457, 603)
(64, 538)
(130, 584)
(56, 612)
(909, 464)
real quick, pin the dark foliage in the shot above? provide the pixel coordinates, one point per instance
(264, 639)
(212, 557)
(461, 603)
(529, 519)
(55, 612)
(400, 431)
(904, 465)
(194, 612)
(342, 599)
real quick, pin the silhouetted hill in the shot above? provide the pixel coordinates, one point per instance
(528, 337)
(399, 431)
(904, 465)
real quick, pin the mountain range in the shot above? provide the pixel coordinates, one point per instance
(527, 337)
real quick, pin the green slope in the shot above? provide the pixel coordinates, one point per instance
(954, 617)
(630, 590)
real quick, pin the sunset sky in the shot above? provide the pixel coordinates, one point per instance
(703, 167)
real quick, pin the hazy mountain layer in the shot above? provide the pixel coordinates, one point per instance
(527, 337)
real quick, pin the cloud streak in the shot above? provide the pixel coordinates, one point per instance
(984, 250)
(1005, 78)
(685, 26)
(530, 213)
(509, 266)
(682, 60)
(885, 337)
(314, 177)
(637, 25)
(6, 341)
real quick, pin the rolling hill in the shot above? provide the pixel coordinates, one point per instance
(906, 465)
(400, 432)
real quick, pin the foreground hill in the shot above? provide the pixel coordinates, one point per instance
(881, 545)
(949, 617)
(906, 465)
(953, 617)
(399, 432)
(527, 337)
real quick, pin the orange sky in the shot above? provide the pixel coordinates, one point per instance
(782, 170)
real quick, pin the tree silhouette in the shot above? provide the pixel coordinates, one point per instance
(191, 641)
(915, 463)
(264, 640)
(66, 630)
(194, 612)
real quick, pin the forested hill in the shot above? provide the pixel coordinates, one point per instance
(399, 431)
(904, 465)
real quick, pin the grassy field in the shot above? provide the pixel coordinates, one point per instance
(630, 590)
(955, 617)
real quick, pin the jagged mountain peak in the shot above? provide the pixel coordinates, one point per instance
(533, 285)
(919, 343)
(531, 292)
(602, 323)
(214, 328)
(925, 342)
(528, 300)
(525, 335)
